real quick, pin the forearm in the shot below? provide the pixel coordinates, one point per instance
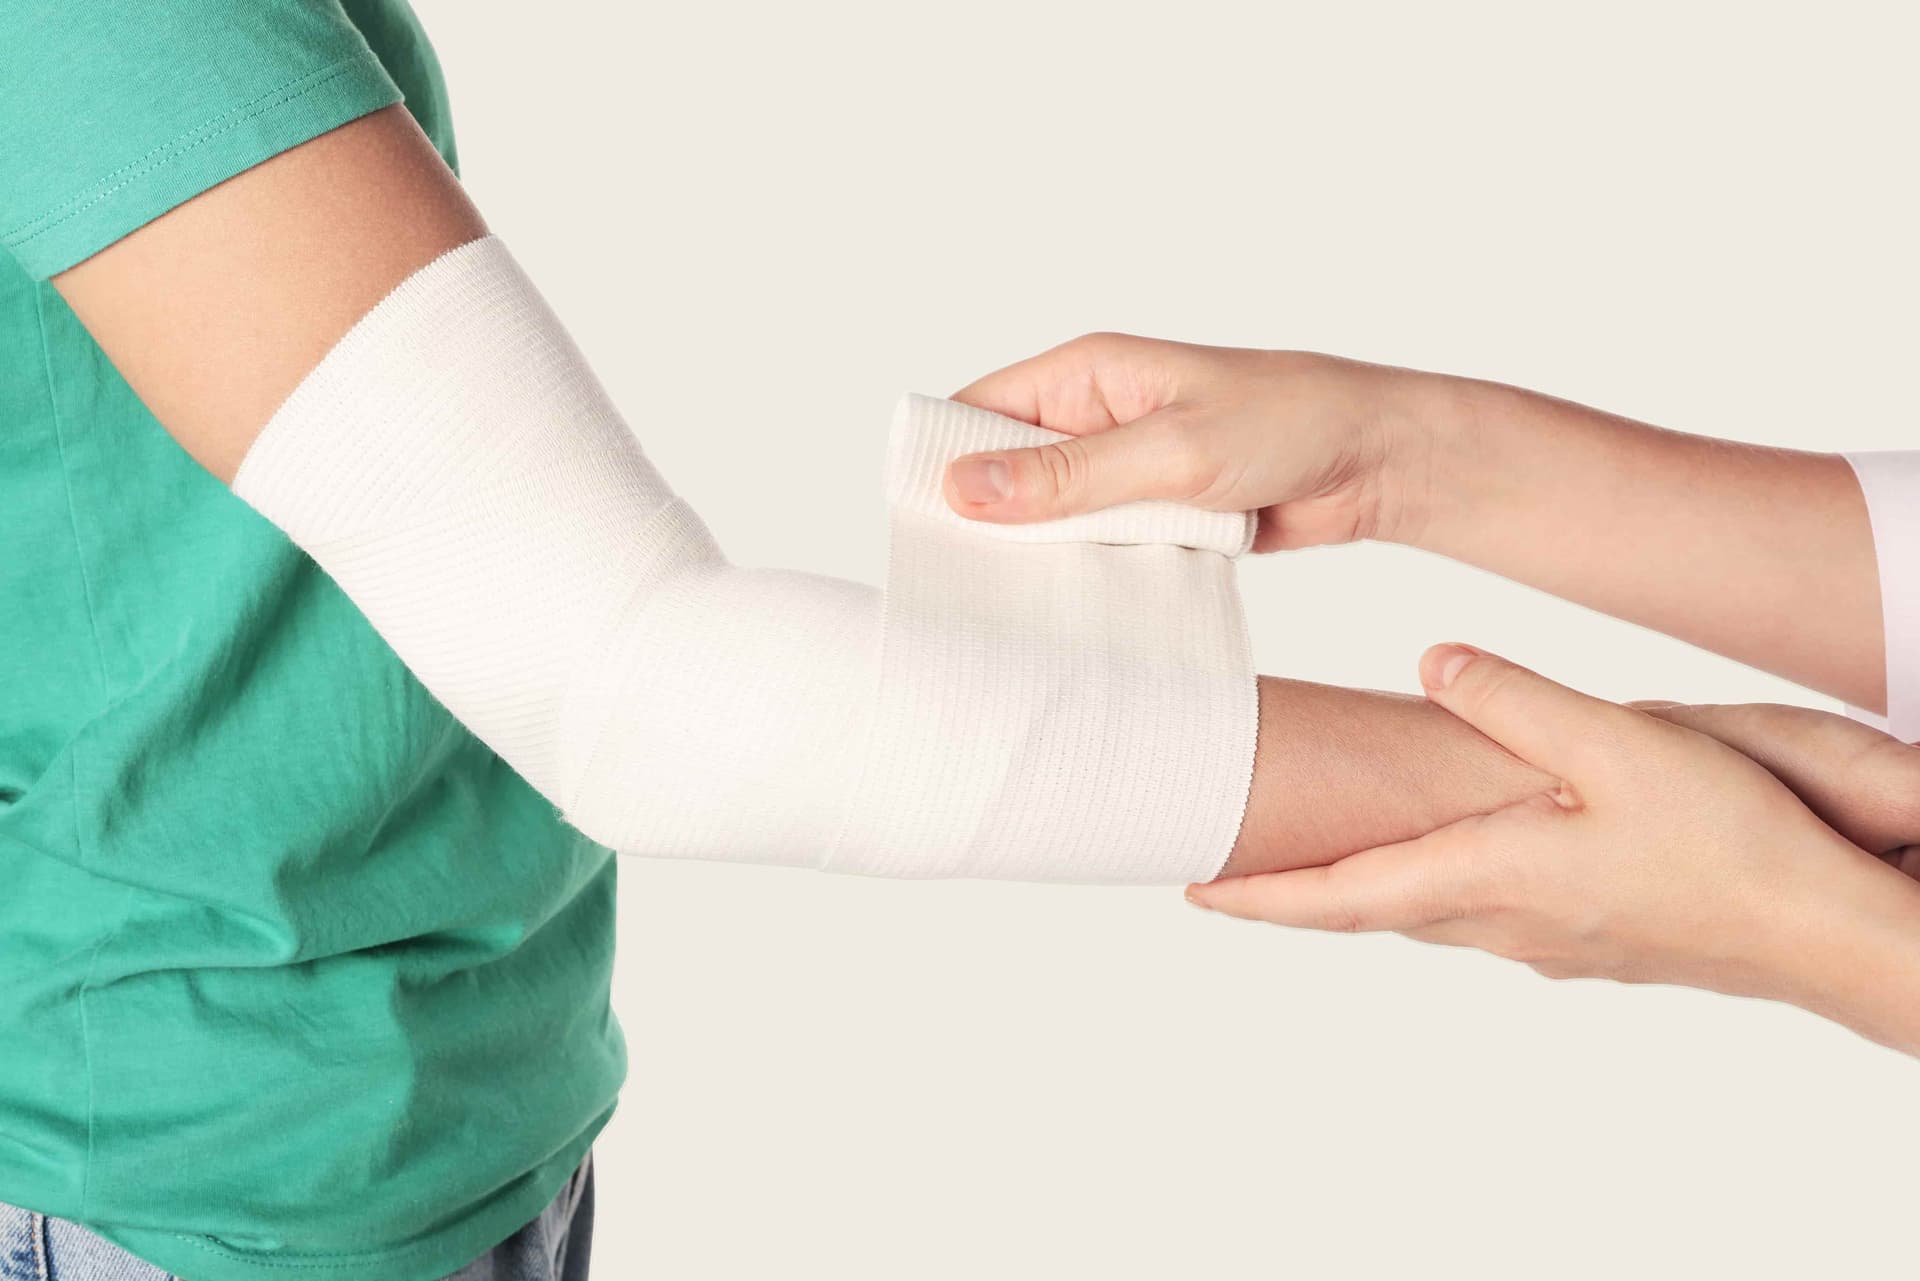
(1764, 555)
(1339, 770)
(1850, 952)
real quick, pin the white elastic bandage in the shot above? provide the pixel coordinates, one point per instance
(1072, 700)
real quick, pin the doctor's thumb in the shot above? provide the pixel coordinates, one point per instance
(1067, 477)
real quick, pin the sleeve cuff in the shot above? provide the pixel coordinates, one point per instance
(1890, 482)
(136, 194)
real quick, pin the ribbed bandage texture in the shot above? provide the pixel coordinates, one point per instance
(1072, 700)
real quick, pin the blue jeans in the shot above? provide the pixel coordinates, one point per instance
(553, 1247)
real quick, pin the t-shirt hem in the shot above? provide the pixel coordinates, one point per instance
(199, 158)
(425, 1258)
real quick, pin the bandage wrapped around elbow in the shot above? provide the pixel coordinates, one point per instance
(1065, 701)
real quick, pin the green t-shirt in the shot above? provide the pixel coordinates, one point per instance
(297, 978)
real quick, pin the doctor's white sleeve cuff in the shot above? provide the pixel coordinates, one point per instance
(1890, 482)
(1070, 701)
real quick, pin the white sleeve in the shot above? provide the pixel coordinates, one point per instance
(1067, 701)
(1890, 481)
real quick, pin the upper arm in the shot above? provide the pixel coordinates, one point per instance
(220, 187)
(214, 311)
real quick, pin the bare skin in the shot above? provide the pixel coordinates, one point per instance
(216, 310)
(1336, 768)
(1668, 855)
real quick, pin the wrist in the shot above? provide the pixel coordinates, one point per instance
(1852, 953)
(1437, 446)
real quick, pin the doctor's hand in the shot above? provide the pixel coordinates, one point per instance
(1317, 444)
(1862, 783)
(1664, 856)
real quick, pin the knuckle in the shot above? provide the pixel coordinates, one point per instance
(1489, 682)
(1659, 706)
(1481, 886)
(1895, 784)
(1187, 464)
(1342, 917)
(1609, 750)
(1062, 467)
(1512, 943)
(1905, 820)
(1509, 949)
(1344, 920)
(1617, 966)
(1890, 821)
(1099, 342)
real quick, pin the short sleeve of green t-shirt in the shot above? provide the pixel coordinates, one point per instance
(114, 111)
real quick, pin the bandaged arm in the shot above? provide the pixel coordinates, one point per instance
(1336, 769)
(1073, 701)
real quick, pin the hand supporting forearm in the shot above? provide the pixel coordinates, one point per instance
(1662, 857)
(1764, 555)
(1850, 951)
(1339, 770)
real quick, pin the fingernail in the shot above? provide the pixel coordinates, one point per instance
(982, 480)
(1442, 663)
(1193, 897)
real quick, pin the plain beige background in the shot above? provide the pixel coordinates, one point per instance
(765, 222)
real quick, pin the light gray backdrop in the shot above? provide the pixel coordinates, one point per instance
(765, 222)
